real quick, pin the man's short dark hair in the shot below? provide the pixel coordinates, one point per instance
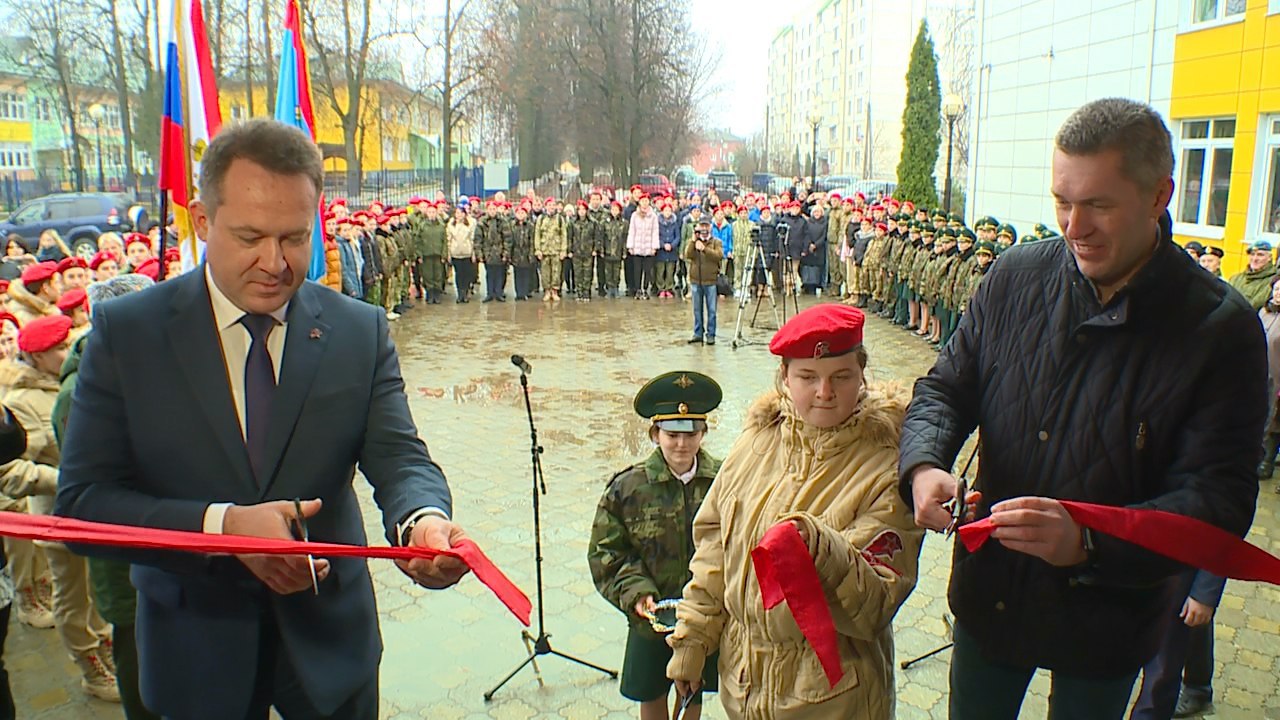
(279, 148)
(1135, 129)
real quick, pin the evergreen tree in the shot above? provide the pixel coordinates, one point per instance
(921, 124)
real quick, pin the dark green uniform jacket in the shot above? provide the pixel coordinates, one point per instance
(642, 537)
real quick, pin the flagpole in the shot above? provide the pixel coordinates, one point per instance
(164, 231)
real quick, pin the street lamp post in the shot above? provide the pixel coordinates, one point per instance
(814, 121)
(97, 113)
(952, 106)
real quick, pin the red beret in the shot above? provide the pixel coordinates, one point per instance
(72, 262)
(101, 257)
(882, 226)
(4, 287)
(44, 333)
(382, 219)
(11, 318)
(821, 331)
(338, 201)
(344, 221)
(172, 255)
(794, 204)
(415, 199)
(39, 272)
(847, 201)
(860, 195)
(877, 207)
(644, 196)
(72, 299)
(132, 238)
(149, 268)
(617, 204)
(548, 201)
(473, 199)
(834, 196)
(909, 205)
(636, 187)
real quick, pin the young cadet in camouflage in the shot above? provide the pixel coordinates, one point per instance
(923, 317)
(583, 244)
(614, 249)
(550, 247)
(958, 280)
(938, 284)
(1006, 236)
(390, 249)
(493, 244)
(522, 270)
(902, 270)
(403, 235)
(642, 536)
(435, 253)
(898, 243)
(873, 267)
(984, 253)
(837, 224)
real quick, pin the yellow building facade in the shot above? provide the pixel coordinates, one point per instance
(395, 123)
(1225, 118)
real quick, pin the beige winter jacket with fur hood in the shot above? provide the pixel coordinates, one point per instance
(27, 307)
(841, 483)
(29, 395)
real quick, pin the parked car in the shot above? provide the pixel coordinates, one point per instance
(723, 181)
(833, 182)
(78, 217)
(686, 179)
(872, 188)
(780, 184)
(656, 185)
(760, 181)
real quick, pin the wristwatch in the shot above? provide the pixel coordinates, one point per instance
(404, 528)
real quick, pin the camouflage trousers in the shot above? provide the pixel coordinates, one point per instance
(432, 273)
(552, 274)
(854, 273)
(835, 268)
(582, 274)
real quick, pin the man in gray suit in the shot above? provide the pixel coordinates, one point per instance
(207, 404)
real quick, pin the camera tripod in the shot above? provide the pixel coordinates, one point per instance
(756, 261)
(540, 645)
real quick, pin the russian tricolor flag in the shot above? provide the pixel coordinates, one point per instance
(293, 106)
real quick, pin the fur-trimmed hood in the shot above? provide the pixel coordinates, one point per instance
(28, 306)
(17, 375)
(880, 412)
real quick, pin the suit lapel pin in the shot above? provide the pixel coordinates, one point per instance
(316, 334)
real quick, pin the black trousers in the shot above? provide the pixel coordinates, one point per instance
(1162, 676)
(495, 280)
(629, 274)
(7, 711)
(464, 271)
(525, 279)
(278, 686)
(124, 648)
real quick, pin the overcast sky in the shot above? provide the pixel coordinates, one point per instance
(742, 29)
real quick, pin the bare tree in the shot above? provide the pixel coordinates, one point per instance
(55, 49)
(343, 34)
(453, 43)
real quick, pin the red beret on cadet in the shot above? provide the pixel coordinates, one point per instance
(344, 221)
(794, 204)
(39, 272)
(473, 199)
(72, 299)
(10, 317)
(101, 257)
(149, 268)
(329, 216)
(882, 226)
(834, 196)
(338, 201)
(72, 262)
(172, 255)
(616, 204)
(415, 199)
(860, 195)
(821, 331)
(636, 187)
(847, 201)
(548, 201)
(383, 219)
(44, 333)
(4, 288)
(132, 238)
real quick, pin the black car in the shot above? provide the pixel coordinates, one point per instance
(78, 217)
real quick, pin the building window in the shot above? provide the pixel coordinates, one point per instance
(15, 156)
(13, 106)
(44, 110)
(1203, 11)
(1206, 148)
(1270, 208)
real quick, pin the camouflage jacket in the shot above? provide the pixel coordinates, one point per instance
(550, 238)
(929, 275)
(522, 243)
(923, 254)
(389, 246)
(897, 246)
(907, 260)
(493, 239)
(971, 284)
(938, 285)
(642, 536)
(960, 273)
(406, 243)
(431, 239)
(614, 246)
(873, 261)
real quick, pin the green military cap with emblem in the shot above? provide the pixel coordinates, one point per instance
(966, 234)
(1007, 230)
(1043, 231)
(985, 246)
(1029, 239)
(677, 401)
(947, 233)
(986, 222)
(927, 230)
(938, 214)
(955, 219)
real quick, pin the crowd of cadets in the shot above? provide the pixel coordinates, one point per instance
(914, 266)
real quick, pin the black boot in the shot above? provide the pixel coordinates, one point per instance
(1270, 443)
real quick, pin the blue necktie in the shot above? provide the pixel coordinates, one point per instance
(259, 388)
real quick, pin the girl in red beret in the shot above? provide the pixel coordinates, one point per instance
(32, 383)
(819, 451)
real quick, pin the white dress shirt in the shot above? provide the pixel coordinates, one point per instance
(236, 340)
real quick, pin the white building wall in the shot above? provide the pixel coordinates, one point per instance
(1039, 61)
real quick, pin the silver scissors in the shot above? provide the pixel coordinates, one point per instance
(958, 507)
(685, 701)
(300, 533)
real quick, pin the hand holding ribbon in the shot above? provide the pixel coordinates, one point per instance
(70, 530)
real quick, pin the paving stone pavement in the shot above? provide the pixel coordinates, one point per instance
(445, 649)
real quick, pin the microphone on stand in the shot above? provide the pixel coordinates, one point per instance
(522, 364)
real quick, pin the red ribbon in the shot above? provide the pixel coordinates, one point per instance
(70, 530)
(786, 572)
(1185, 539)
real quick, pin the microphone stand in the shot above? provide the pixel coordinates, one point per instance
(540, 645)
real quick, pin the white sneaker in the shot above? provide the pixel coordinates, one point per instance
(97, 680)
(393, 315)
(31, 611)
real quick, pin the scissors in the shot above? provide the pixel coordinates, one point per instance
(958, 507)
(299, 524)
(685, 701)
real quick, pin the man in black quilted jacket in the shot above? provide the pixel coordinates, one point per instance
(1105, 367)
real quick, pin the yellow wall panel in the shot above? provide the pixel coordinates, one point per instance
(1213, 42)
(15, 131)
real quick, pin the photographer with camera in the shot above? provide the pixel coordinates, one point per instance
(703, 256)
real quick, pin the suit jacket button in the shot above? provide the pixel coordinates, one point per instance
(1044, 436)
(1000, 605)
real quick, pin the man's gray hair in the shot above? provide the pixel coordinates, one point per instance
(115, 287)
(279, 148)
(1135, 129)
